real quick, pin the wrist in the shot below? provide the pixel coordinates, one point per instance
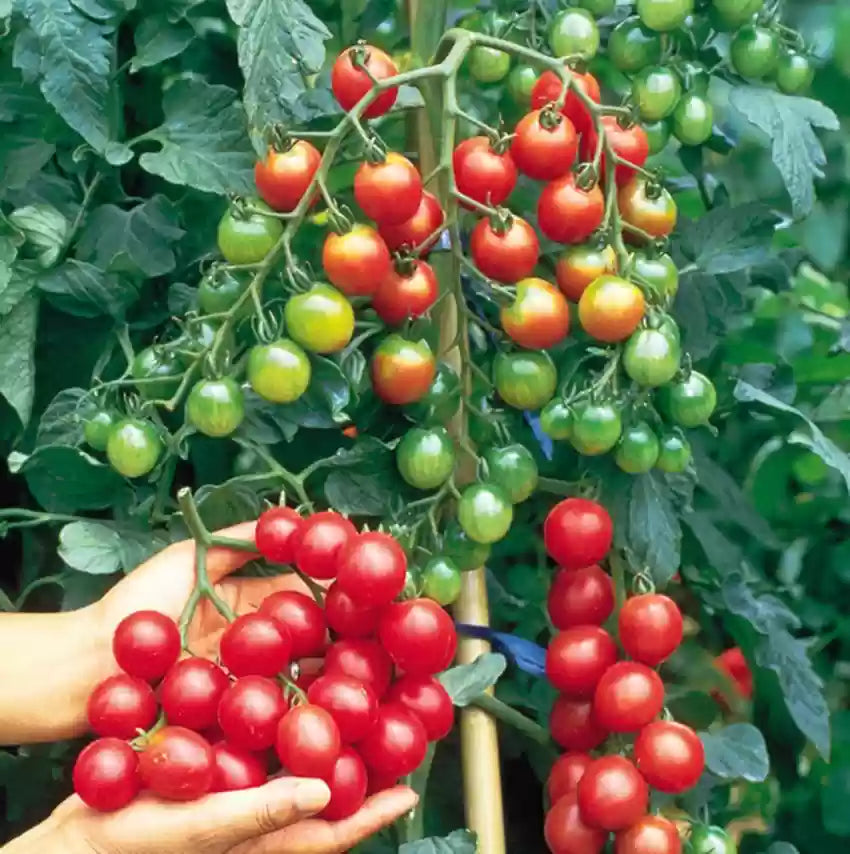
(49, 837)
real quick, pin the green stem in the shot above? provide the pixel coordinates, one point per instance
(508, 715)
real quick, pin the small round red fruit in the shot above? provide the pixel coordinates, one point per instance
(569, 213)
(629, 695)
(428, 700)
(236, 768)
(670, 756)
(303, 618)
(577, 533)
(652, 834)
(372, 568)
(351, 704)
(352, 77)
(348, 782)
(401, 296)
(482, 173)
(566, 832)
(346, 618)
(255, 645)
(577, 658)
(277, 533)
(573, 725)
(388, 191)
(322, 538)
(106, 774)
(419, 636)
(506, 251)
(650, 627)
(563, 779)
(419, 231)
(120, 706)
(284, 176)
(364, 660)
(177, 764)
(397, 743)
(545, 145)
(612, 794)
(308, 742)
(580, 597)
(191, 692)
(249, 711)
(402, 371)
(146, 644)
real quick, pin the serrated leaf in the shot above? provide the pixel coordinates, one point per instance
(721, 552)
(736, 752)
(44, 229)
(27, 136)
(364, 493)
(103, 548)
(17, 362)
(84, 290)
(457, 842)
(227, 503)
(62, 421)
(158, 40)
(466, 681)
(8, 253)
(765, 613)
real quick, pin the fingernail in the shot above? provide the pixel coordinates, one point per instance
(311, 796)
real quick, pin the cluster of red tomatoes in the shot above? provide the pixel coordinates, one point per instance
(600, 695)
(358, 711)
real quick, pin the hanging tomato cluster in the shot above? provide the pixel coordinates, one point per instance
(357, 711)
(601, 695)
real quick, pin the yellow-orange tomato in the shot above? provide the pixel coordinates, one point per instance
(611, 308)
(402, 370)
(578, 266)
(357, 260)
(650, 209)
(539, 316)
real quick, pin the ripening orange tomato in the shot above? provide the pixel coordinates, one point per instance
(611, 308)
(578, 266)
(539, 316)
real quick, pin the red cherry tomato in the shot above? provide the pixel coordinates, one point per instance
(577, 658)
(400, 296)
(566, 832)
(650, 627)
(348, 782)
(303, 618)
(236, 768)
(415, 231)
(146, 644)
(670, 756)
(548, 89)
(402, 371)
(563, 779)
(653, 834)
(177, 764)
(573, 726)
(249, 712)
(352, 75)
(568, 214)
(539, 316)
(419, 636)
(629, 695)
(308, 742)
(581, 597)
(397, 743)
(577, 533)
(545, 145)
(504, 254)
(612, 794)
(428, 700)
(629, 143)
(255, 645)
(278, 530)
(348, 619)
(357, 260)
(734, 665)
(120, 706)
(191, 692)
(483, 174)
(351, 704)
(372, 569)
(284, 176)
(364, 660)
(106, 774)
(390, 191)
(322, 539)
(379, 782)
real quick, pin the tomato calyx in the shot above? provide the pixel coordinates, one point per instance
(405, 263)
(587, 176)
(550, 117)
(279, 139)
(501, 221)
(341, 219)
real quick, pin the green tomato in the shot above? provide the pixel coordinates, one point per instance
(809, 469)
(514, 469)
(574, 33)
(426, 457)
(440, 402)
(280, 371)
(709, 839)
(485, 512)
(521, 81)
(689, 402)
(482, 429)
(754, 52)
(695, 76)
(488, 65)
(693, 119)
(675, 453)
(441, 581)
(664, 15)
(159, 373)
(656, 91)
(596, 428)
(219, 290)
(657, 272)
(198, 337)
(216, 407)
(794, 74)
(657, 135)
(133, 447)
(97, 429)
(651, 357)
(600, 8)
(665, 324)
(320, 320)
(247, 237)
(731, 14)
(631, 46)
(556, 419)
(465, 553)
(525, 379)
(638, 449)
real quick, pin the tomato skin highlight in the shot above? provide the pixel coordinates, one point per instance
(133, 447)
(419, 230)
(284, 176)
(655, 216)
(577, 658)
(277, 534)
(482, 173)
(402, 370)
(216, 408)
(670, 756)
(146, 644)
(419, 636)
(356, 261)
(628, 696)
(303, 619)
(611, 308)
(428, 700)
(120, 706)
(351, 704)
(399, 297)
(485, 512)
(573, 726)
(612, 794)
(371, 568)
(191, 691)
(249, 711)
(652, 834)
(177, 764)
(544, 147)
(389, 192)
(236, 768)
(539, 317)
(308, 742)
(246, 238)
(350, 83)
(581, 597)
(320, 320)
(650, 627)
(348, 782)
(397, 743)
(106, 774)
(548, 89)
(568, 214)
(504, 255)
(577, 533)
(567, 833)
(322, 538)
(578, 266)
(563, 779)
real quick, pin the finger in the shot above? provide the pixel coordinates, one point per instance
(248, 593)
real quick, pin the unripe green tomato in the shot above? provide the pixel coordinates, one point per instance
(794, 74)
(597, 428)
(689, 402)
(656, 91)
(482, 430)
(651, 357)
(247, 237)
(693, 119)
(574, 33)
(440, 402)
(441, 581)
(556, 420)
(96, 429)
(488, 65)
(709, 839)
(159, 372)
(731, 14)
(426, 457)
(465, 553)
(485, 512)
(216, 407)
(320, 320)
(638, 449)
(657, 272)
(525, 379)
(657, 135)
(754, 52)
(279, 371)
(521, 81)
(219, 290)
(514, 469)
(631, 46)
(133, 447)
(809, 469)
(600, 8)
(664, 15)
(675, 453)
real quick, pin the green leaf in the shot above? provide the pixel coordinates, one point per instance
(789, 123)
(466, 681)
(61, 423)
(365, 480)
(27, 135)
(227, 504)
(17, 360)
(834, 796)
(157, 40)
(44, 229)
(204, 142)
(720, 551)
(324, 402)
(737, 751)
(84, 290)
(103, 548)
(132, 241)
(781, 848)
(457, 842)
(765, 613)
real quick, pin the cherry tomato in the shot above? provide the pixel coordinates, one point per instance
(255, 645)
(158, 372)
(650, 209)
(556, 419)
(278, 532)
(146, 644)
(364, 660)
(563, 779)
(216, 407)
(656, 90)
(401, 296)
(658, 272)
(357, 260)
(612, 794)
(120, 706)
(348, 782)
(514, 469)
(420, 231)
(754, 51)
(485, 512)
(525, 380)
(371, 568)
(308, 741)
(657, 134)
(247, 236)
(504, 252)
(794, 73)
(693, 119)
(389, 191)
(177, 764)
(629, 143)
(566, 832)
(402, 370)
(351, 704)
(428, 700)
(650, 627)
(734, 665)
(284, 176)
(439, 404)
(577, 658)
(539, 316)
(320, 320)
(573, 726)
(352, 75)
(463, 551)
(670, 756)
(651, 358)
(191, 691)
(198, 337)
(611, 308)
(483, 174)
(548, 89)
(249, 711)
(580, 597)
(520, 85)
(652, 834)
(545, 145)
(631, 46)
(577, 533)
(397, 743)
(675, 453)
(419, 636)
(106, 774)
(236, 768)
(348, 619)
(566, 213)
(731, 14)
(638, 449)
(596, 428)
(321, 541)
(629, 695)
(220, 290)
(97, 428)
(578, 266)
(664, 15)
(426, 457)
(303, 618)
(441, 581)
(691, 401)
(711, 840)
(574, 33)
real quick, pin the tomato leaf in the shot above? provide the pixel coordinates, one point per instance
(833, 799)
(457, 842)
(61, 423)
(17, 347)
(737, 751)
(157, 40)
(78, 288)
(466, 681)
(44, 228)
(227, 503)
(101, 548)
